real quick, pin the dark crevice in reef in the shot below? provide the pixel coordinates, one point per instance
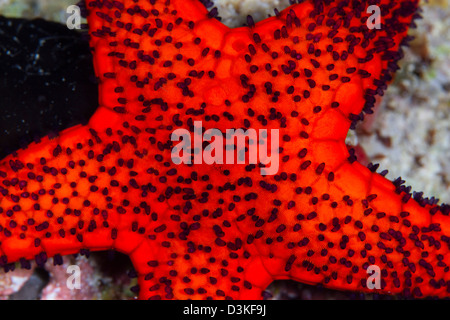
(113, 263)
(47, 81)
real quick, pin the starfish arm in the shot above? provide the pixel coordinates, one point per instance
(149, 50)
(198, 270)
(56, 201)
(357, 226)
(310, 54)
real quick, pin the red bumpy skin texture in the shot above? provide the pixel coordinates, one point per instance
(226, 231)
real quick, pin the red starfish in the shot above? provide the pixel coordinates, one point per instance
(226, 231)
